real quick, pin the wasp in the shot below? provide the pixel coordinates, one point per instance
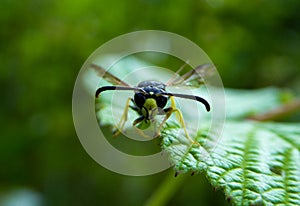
(151, 97)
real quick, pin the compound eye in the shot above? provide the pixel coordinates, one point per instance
(161, 101)
(139, 99)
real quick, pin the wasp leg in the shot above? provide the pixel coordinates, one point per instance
(117, 129)
(173, 105)
(139, 131)
(134, 108)
(138, 120)
(169, 111)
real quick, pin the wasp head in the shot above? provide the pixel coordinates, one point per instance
(150, 104)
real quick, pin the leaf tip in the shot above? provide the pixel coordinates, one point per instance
(229, 199)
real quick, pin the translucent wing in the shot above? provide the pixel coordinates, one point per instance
(101, 72)
(193, 78)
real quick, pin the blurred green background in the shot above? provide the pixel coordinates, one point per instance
(43, 46)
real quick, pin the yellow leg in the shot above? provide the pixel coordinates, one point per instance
(179, 117)
(117, 129)
(173, 105)
(140, 132)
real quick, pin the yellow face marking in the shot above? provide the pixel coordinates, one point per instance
(149, 108)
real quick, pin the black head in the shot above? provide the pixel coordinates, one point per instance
(152, 89)
(140, 98)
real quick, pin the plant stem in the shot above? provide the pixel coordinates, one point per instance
(278, 112)
(166, 190)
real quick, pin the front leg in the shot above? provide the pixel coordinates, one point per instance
(119, 127)
(142, 125)
(138, 120)
(169, 111)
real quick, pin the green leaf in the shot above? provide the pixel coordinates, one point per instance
(255, 163)
(244, 103)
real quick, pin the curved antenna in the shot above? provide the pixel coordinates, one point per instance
(105, 88)
(192, 97)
